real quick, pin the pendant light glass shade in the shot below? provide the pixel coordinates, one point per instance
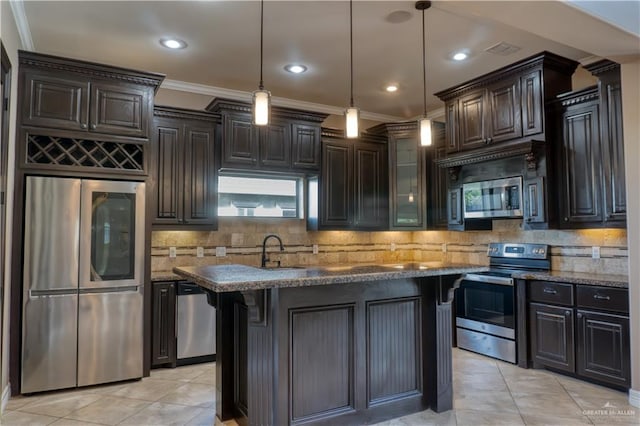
(261, 107)
(425, 131)
(352, 115)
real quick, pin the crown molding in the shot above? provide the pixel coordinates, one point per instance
(20, 17)
(240, 95)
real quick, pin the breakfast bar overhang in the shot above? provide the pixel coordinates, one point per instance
(320, 345)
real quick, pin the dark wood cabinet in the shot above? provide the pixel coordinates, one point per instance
(454, 208)
(353, 185)
(474, 129)
(580, 329)
(290, 143)
(534, 200)
(504, 110)
(184, 169)
(437, 178)
(60, 99)
(163, 329)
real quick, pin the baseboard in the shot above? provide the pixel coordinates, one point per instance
(6, 394)
(634, 397)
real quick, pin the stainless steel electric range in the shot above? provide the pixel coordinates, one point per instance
(486, 302)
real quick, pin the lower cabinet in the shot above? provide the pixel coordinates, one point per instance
(163, 335)
(589, 337)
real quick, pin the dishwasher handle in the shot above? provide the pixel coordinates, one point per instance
(188, 289)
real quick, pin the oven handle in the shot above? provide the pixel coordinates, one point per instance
(489, 279)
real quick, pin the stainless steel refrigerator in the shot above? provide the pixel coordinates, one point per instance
(83, 281)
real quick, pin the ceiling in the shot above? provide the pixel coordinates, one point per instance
(223, 45)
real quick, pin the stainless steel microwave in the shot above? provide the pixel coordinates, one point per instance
(493, 198)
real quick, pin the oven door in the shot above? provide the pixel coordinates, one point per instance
(486, 303)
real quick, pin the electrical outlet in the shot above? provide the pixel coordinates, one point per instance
(315, 249)
(595, 252)
(444, 247)
(393, 246)
(200, 251)
(221, 251)
(172, 252)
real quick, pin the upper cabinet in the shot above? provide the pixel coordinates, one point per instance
(353, 185)
(591, 155)
(289, 143)
(85, 97)
(184, 168)
(504, 105)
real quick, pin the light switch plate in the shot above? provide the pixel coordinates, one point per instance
(221, 251)
(315, 249)
(444, 247)
(595, 252)
(172, 252)
(200, 251)
(393, 246)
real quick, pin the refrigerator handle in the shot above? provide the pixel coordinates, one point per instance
(123, 289)
(55, 292)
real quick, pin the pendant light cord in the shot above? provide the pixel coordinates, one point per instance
(351, 46)
(261, 85)
(424, 68)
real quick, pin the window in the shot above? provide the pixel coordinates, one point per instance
(259, 197)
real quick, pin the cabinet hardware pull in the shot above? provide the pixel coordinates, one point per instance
(566, 219)
(549, 291)
(567, 313)
(599, 297)
(93, 126)
(83, 126)
(579, 315)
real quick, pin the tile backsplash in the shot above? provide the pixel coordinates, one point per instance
(242, 238)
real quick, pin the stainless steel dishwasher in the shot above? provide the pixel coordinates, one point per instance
(196, 332)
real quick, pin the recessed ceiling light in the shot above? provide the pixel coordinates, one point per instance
(392, 88)
(173, 43)
(460, 56)
(295, 68)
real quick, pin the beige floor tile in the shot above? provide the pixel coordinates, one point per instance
(60, 404)
(18, 401)
(18, 418)
(108, 410)
(474, 366)
(471, 384)
(193, 394)
(71, 422)
(551, 403)
(147, 390)
(183, 374)
(160, 413)
(207, 378)
(551, 420)
(486, 401)
(207, 417)
(534, 384)
(485, 418)
(427, 417)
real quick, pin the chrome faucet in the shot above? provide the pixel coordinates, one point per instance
(265, 259)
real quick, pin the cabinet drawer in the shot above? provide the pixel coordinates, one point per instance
(550, 292)
(605, 298)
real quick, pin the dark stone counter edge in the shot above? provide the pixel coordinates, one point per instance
(620, 281)
(309, 281)
(165, 276)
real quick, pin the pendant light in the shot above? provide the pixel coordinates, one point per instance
(261, 99)
(352, 114)
(424, 122)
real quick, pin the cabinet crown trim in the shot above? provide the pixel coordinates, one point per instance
(573, 98)
(220, 105)
(544, 60)
(489, 153)
(90, 69)
(365, 136)
(172, 112)
(601, 67)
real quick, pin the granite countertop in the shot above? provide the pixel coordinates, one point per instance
(226, 278)
(165, 276)
(605, 280)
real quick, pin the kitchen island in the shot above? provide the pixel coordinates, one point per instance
(348, 344)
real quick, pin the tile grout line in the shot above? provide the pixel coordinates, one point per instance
(511, 394)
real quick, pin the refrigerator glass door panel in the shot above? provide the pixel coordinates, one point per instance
(112, 238)
(49, 342)
(109, 336)
(52, 228)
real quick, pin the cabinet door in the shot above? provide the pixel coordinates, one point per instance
(552, 342)
(505, 120)
(275, 146)
(454, 207)
(335, 185)
(240, 142)
(532, 102)
(453, 125)
(200, 200)
(55, 102)
(305, 147)
(581, 165)
(168, 196)
(603, 347)
(407, 179)
(534, 206)
(163, 335)
(472, 120)
(613, 153)
(437, 180)
(120, 109)
(370, 197)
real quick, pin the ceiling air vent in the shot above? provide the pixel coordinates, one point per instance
(502, 49)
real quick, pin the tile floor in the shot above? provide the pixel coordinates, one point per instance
(486, 392)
